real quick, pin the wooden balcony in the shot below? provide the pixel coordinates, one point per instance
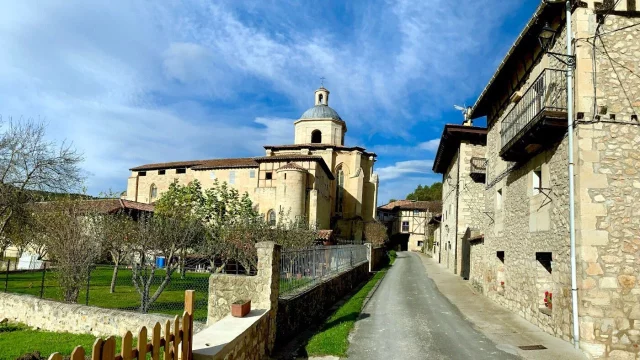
(538, 120)
(478, 169)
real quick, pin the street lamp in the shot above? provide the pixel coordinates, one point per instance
(547, 36)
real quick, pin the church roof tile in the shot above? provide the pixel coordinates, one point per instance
(201, 164)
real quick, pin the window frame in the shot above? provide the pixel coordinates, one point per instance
(402, 226)
(252, 174)
(181, 171)
(232, 177)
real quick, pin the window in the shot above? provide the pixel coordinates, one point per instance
(212, 175)
(537, 181)
(271, 217)
(252, 174)
(268, 175)
(405, 226)
(181, 171)
(161, 172)
(416, 212)
(232, 177)
(142, 173)
(420, 243)
(320, 99)
(316, 137)
(500, 256)
(153, 192)
(499, 199)
(339, 191)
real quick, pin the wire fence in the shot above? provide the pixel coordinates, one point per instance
(303, 268)
(111, 287)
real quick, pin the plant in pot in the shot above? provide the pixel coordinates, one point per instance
(240, 308)
(548, 300)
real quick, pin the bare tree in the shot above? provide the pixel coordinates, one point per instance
(28, 162)
(159, 236)
(68, 231)
(376, 233)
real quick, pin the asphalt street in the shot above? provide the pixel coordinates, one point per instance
(408, 318)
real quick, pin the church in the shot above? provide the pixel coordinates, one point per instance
(317, 177)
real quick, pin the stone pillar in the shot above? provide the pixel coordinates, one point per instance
(269, 279)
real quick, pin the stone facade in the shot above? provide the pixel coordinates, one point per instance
(337, 188)
(525, 251)
(77, 319)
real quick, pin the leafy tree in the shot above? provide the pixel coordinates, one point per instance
(117, 234)
(427, 193)
(159, 236)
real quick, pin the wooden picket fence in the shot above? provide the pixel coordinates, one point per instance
(176, 341)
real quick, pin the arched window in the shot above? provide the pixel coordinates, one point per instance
(271, 217)
(153, 192)
(316, 137)
(320, 99)
(339, 190)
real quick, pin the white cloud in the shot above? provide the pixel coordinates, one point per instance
(431, 145)
(136, 82)
(405, 168)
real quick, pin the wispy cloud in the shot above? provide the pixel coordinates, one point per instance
(405, 168)
(135, 82)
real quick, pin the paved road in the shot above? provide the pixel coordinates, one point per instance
(408, 318)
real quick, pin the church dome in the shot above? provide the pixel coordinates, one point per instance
(321, 112)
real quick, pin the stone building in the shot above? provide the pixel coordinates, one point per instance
(523, 254)
(407, 222)
(461, 161)
(317, 177)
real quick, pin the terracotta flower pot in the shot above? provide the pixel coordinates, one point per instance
(240, 308)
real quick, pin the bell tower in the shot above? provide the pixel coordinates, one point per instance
(322, 96)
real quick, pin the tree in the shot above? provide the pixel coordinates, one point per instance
(158, 236)
(117, 236)
(29, 162)
(376, 233)
(427, 193)
(67, 228)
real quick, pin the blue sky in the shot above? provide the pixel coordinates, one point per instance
(134, 82)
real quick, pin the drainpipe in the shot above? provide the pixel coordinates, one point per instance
(572, 224)
(455, 251)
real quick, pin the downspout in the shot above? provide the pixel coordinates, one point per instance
(572, 225)
(455, 257)
(441, 227)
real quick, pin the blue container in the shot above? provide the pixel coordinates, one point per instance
(160, 261)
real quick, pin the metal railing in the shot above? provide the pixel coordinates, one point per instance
(547, 93)
(303, 268)
(478, 165)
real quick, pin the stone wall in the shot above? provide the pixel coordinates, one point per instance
(448, 233)
(608, 183)
(377, 258)
(302, 310)
(78, 319)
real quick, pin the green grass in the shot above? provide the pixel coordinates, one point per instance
(332, 339)
(17, 340)
(170, 302)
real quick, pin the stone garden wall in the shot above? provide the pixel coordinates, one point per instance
(78, 319)
(298, 312)
(377, 258)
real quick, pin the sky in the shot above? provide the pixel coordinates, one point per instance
(133, 82)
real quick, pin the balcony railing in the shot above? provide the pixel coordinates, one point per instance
(479, 165)
(546, 97)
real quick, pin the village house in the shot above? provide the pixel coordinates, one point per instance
(407, 222)
(461, 161)
(317, 177)
(520, 253)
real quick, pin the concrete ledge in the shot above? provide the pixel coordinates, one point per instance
(225, 336)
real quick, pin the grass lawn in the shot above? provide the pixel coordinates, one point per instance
(332, 337)
(17, 340)
(171, 301)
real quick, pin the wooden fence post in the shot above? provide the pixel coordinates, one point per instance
(189, 308)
